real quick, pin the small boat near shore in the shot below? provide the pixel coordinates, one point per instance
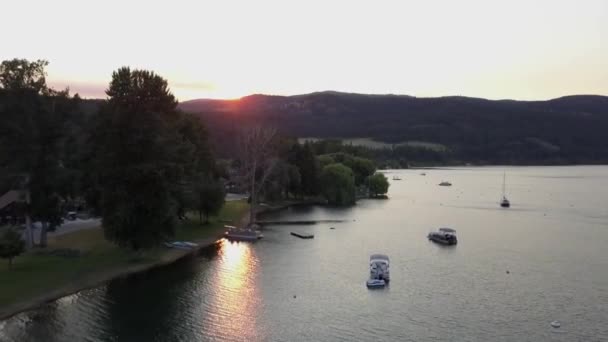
(445, 183)
(242, 234)
(181, 245)
(303, 236)
(444, 236)
(396, 178)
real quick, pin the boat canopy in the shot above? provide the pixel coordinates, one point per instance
(447, 230)
(378, 258)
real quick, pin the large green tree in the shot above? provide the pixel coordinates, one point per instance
(24, 75)
(295, 180)
(303, 157)
(208, 197)
(362, 167)
(338, 184)
(283, 178)
(138, 163)
(33, 121)
(197, 164)
(325, 160)
(11, 246)
(378, 184)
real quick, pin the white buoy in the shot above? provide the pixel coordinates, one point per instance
(556, 324)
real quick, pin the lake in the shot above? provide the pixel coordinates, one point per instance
(513, 272)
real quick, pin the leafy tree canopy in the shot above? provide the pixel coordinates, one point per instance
(338, 184)
(378, 184)
(11, 245)
(209, 197)
(21, 74)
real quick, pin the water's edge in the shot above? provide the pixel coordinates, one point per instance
(98, 279)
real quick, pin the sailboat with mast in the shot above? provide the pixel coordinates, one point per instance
(504, 202)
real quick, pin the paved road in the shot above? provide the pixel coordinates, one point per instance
(72, 226)
(235, 197)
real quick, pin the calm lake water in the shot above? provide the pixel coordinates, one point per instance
(553, 241)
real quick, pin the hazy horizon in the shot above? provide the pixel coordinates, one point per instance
(513, 50)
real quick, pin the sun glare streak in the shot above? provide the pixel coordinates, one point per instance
(237, 297)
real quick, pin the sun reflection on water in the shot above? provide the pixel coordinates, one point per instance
(236, 301)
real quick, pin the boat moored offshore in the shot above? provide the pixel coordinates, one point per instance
(504, 202)
(444, 236)
(379, 267)
(379, 274)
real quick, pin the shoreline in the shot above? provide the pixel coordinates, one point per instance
(101, 278)
(170, 256)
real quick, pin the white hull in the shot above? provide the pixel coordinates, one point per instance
(375, 283)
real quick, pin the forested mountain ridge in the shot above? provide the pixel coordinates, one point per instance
(565, 130)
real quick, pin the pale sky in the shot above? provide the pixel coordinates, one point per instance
(534, 49)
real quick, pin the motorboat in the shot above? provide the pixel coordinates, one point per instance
(242, 234)
(379, 267)
(423, 174)
(396, 178)
(445, 183)
(375, 283)
(444, 236)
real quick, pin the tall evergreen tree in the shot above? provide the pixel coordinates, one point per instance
(32, 136)
(303, 157)
(138, 170)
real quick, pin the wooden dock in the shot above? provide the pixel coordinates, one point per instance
(303, 236)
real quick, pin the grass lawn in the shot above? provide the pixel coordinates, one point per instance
(39, 271)
(230, 214)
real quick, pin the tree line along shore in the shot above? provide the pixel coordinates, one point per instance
(146, 168)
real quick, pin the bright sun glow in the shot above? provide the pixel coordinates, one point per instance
(226, 49)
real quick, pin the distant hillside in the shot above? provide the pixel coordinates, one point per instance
(571, 129)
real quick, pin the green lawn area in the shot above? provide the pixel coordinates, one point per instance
(39, 271)
(229, 215)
